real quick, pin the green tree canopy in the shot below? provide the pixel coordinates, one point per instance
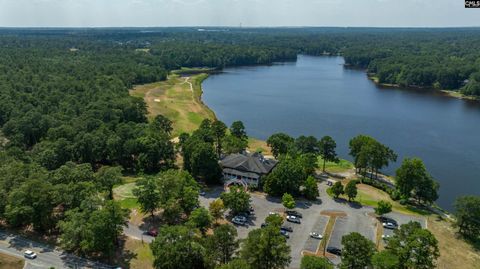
(266, 248)
(415, 247)
(107, 177)
(337, 189)
(385, 260)
(351, 190)
(383, 207)
(237, 129)
(200, 218)
(288, 201)
(357, 251)
(280, 143)
(237, 199)
(310, 190)
(327, 147)
(413, 180)
(286, 177)
(467, 211)
(176, 247)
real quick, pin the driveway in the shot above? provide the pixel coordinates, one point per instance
(47, 256)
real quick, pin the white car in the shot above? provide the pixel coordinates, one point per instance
(316, 235)
(272, 213)
(293, 219)
(385, 236)
(29, 254)
(389, 225)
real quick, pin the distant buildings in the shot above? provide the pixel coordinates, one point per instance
(246, 168)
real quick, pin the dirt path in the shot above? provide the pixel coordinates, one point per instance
(189, 83)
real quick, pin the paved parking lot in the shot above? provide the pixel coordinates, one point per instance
(361, 223)
(402, 219)
(357, 219)
(319, 227)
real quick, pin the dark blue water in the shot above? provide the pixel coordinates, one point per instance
(318, 96)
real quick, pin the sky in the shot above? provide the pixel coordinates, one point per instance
(248, 13)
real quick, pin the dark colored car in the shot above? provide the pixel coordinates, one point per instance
(263, 225)
(284, 233)
(294, 213)
(335, 251)
(386, 219)
(153, 232)
(287, 228)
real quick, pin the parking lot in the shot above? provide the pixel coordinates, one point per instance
(358, 219)
(300, 237)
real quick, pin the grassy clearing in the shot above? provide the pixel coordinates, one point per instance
(454, 252)
(11, 262)
(142, 254)
(256, 145)
(342, 166)
(182, 103)
(123, 194)
(179, 99)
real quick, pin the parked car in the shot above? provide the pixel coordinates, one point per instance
(316, 235)
(287, 228)
(272, 213)
(389, 225)
(293, 213)
(329, 183)
(284, 233)
(202, 193)
(263, 225)
(387, 219)
(29, 254)
(153, 232)
(335, 251)
(293, 219)
(385, 237)
(251, 210)
(239, 220)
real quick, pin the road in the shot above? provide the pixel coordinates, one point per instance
(47, 256)
(135, 232)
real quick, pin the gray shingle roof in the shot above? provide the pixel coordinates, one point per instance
(247, 162)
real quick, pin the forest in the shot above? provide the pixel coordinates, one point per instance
(69, 127)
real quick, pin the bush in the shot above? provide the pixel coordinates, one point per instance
(395, 195)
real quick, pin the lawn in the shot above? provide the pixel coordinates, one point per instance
(123, 194)
(11, 262)
(141, 254)
(179, 99)
(370, 196)
(341, 166)
(256, 145)
(454, 252)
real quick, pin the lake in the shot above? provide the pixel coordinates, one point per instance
(318, 96)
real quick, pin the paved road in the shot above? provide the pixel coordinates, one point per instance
(135, 232)
(47, 256)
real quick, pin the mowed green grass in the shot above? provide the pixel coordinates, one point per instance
(341, 166)
(175, 100)
(123, 193)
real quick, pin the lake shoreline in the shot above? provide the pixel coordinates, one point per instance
(446, 93)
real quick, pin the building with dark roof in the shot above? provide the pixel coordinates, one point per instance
(246, 168)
